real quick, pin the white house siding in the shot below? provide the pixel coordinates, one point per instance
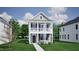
(37, 17)
(4, 29)
(33, 31)
(41, 32)
(71, 30)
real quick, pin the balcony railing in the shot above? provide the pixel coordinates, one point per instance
(40, 29)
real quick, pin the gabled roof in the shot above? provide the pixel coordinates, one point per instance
(41, 13)
(72, 21)
(4, 21)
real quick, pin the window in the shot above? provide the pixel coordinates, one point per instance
(6, 26)
(41, 25)
(47, 36)
(41, 36)
(76, 26)
(62, 36)
(40, 17)
(47, 25)
(68, 36)
(63, 29)
(33, 25)
(65, 36)
(76, 36)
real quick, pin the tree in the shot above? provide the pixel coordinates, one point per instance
(56, 32)
(56, 29)
(15, 28)
(24, 30)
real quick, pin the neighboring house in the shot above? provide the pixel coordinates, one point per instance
(40, 29)
(5, 31)
(70, 31)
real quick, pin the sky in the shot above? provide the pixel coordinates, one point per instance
(58, 14)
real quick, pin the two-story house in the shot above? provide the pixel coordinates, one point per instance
(40, 29)
(5, 31)
(70, 31)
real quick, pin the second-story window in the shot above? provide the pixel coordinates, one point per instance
(33, 25)
(41, 25)
(47, 25)
(76, 26)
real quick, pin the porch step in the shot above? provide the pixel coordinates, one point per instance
(37, 47)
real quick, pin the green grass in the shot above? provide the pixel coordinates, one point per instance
(18, 45)
(61, 46)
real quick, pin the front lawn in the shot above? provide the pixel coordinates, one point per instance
(61, 46)
(18, 45)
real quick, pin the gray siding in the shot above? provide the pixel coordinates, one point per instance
(71, 30)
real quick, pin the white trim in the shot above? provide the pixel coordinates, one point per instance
(44, 31)
(39, 14)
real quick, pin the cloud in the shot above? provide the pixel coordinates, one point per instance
(25, 18)
(58, 14)
(21, 22)
(5, 16)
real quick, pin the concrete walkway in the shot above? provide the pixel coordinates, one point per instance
(37, 47)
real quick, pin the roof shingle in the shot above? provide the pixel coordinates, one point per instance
(72, 21)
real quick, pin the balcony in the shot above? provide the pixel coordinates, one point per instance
(41, 29)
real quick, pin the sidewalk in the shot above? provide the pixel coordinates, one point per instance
(37, 47)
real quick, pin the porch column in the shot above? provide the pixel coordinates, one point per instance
(37, 33)
(52, 33)
(45, 33)
(37, 39)
(37, 27)
(45, 27)
(29, 38)
(29, 32)
(51, 38)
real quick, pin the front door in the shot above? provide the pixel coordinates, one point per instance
(34, 38)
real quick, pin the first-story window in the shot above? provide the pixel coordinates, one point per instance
(47, 36)
(65, 36)
(76, 36)
(68, 36)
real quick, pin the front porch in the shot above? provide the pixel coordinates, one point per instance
(40, 38)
